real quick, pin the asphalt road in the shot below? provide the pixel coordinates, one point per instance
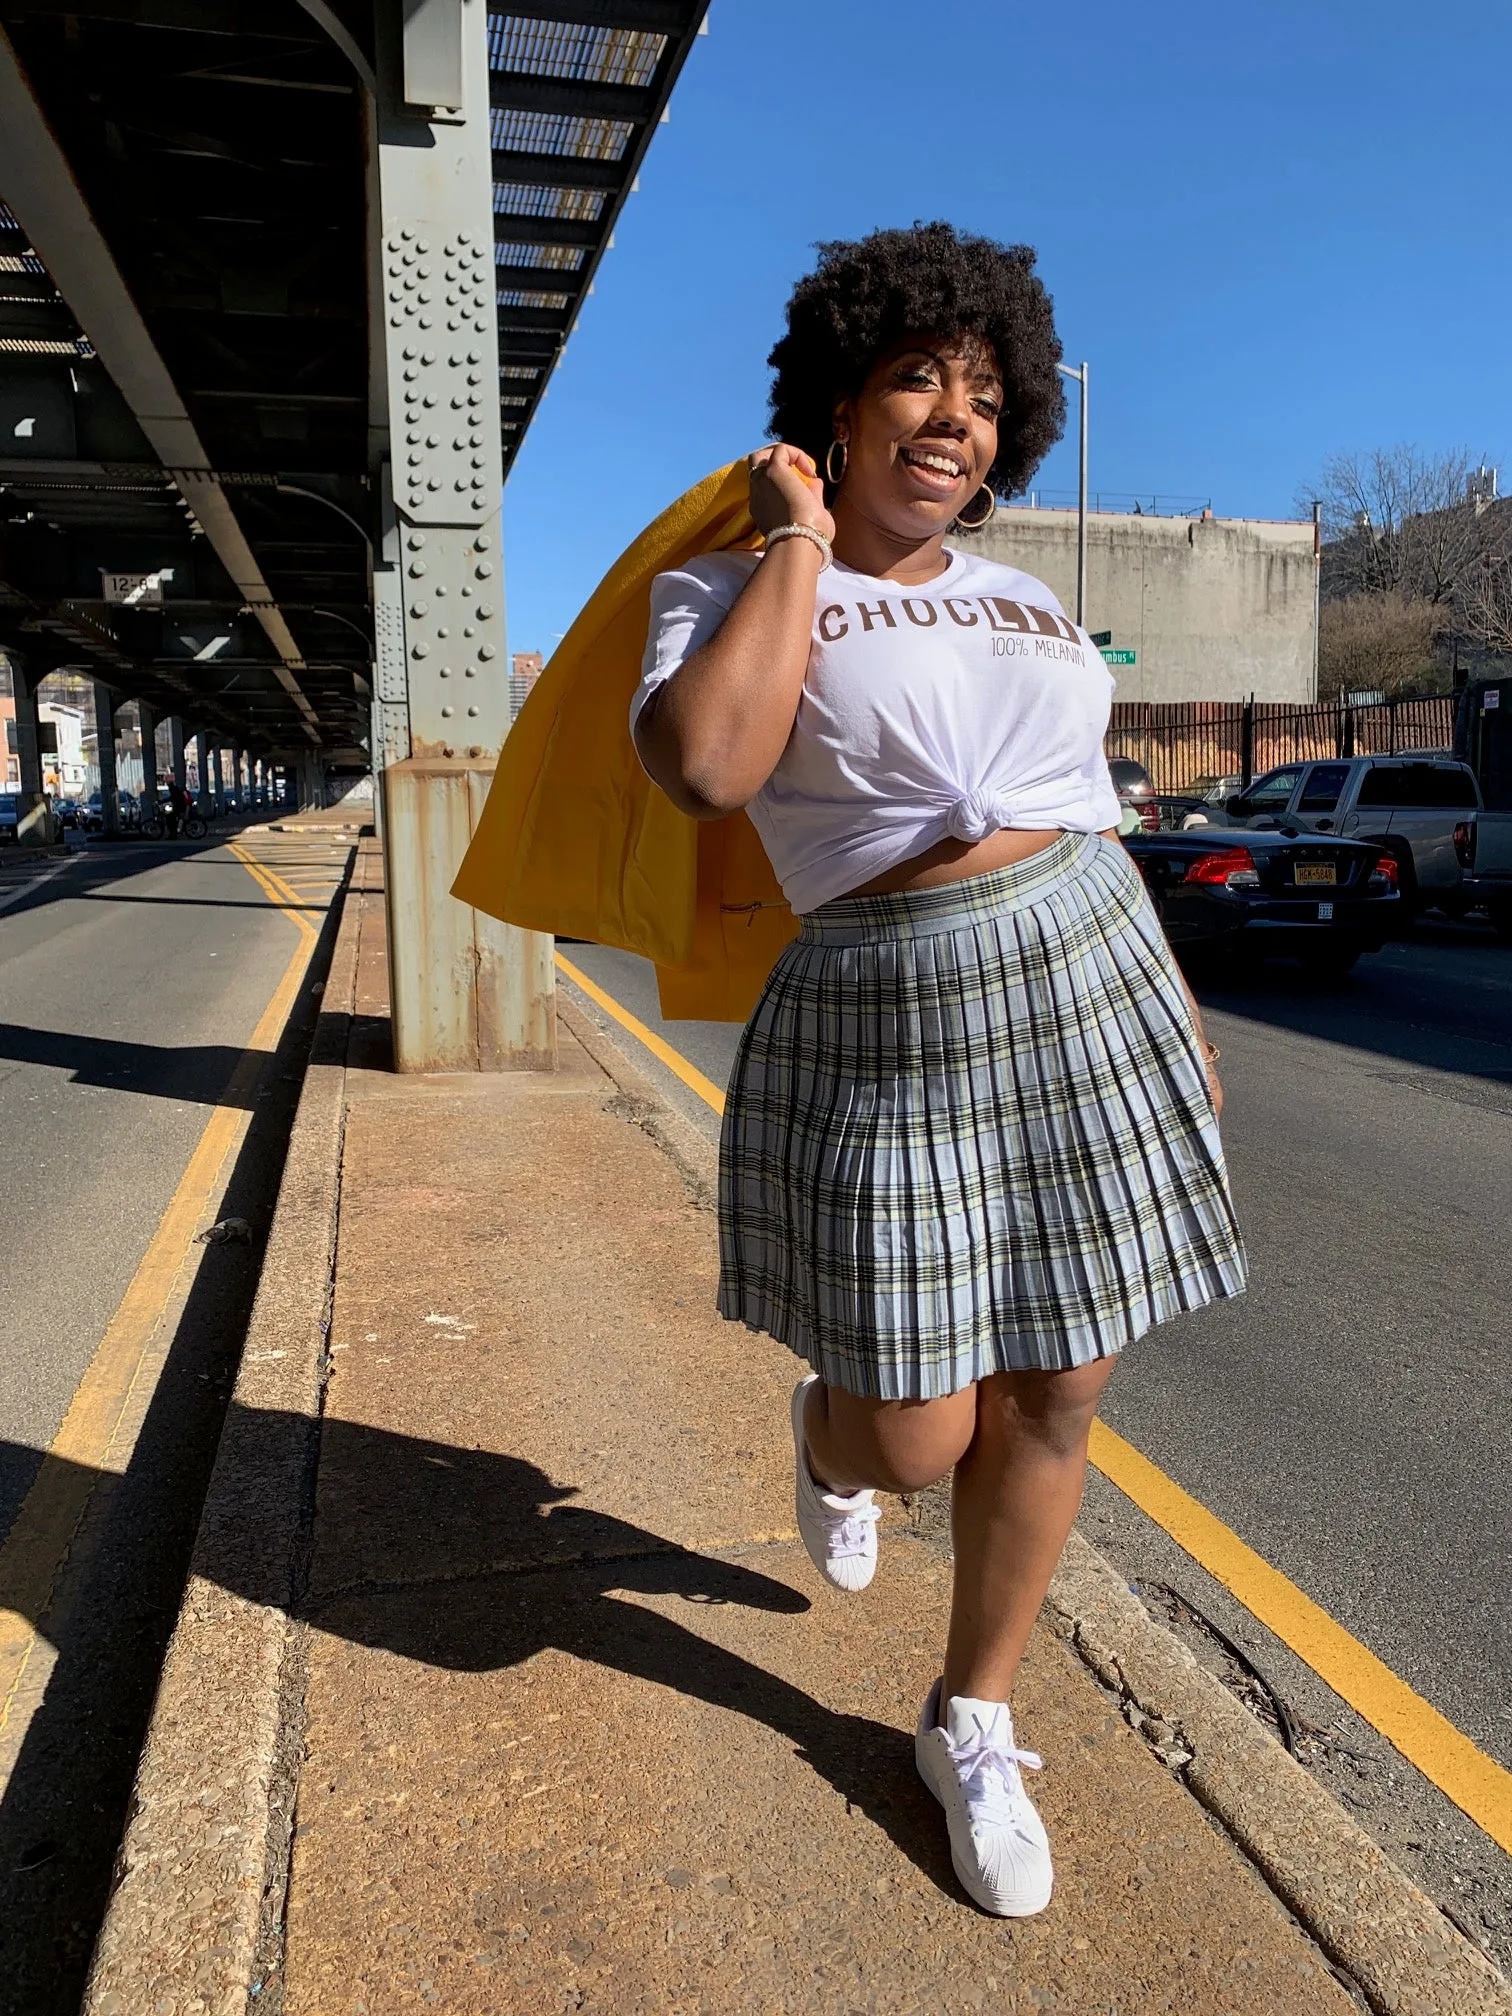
(1349, 1417)
(131, 979)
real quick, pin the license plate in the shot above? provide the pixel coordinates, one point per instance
(1316, 871)
(1325, 913)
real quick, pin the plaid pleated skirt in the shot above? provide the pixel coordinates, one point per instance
(969, 1131)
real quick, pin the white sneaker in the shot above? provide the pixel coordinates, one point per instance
(839, 1533)
(997, 1840)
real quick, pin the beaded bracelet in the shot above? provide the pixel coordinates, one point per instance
(796, 531)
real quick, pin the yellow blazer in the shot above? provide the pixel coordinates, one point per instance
(577, 840)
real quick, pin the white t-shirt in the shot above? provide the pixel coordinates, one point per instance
(955, 708)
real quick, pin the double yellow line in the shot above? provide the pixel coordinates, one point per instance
(96, 1433)
(1476, 1783)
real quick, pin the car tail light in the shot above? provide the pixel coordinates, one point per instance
(1234, 868)
(1464, 843)
(1386, 874)
(1150, 817)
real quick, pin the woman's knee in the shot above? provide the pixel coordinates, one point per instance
(902, 1445)
(1052, 1409)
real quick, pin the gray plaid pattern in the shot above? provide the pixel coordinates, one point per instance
(968, 1131)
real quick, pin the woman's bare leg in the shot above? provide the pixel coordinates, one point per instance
(888, 1445)
(1016, 1493)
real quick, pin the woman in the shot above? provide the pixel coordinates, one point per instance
(970, 1148)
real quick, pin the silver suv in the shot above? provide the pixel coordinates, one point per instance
(1408, 805)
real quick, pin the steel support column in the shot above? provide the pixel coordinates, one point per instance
(110, 802)
(467, 993)
(34, 827)
(147, 731)
(202, 770)
(176, 751)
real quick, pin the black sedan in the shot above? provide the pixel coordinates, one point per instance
(1323, 901)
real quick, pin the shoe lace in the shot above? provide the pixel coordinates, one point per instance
(989, 1772)
(849, 1535)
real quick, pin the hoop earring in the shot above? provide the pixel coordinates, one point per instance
(985, 518)
(830, 477)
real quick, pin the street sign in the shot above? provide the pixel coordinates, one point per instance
(1101, 637)
(1119, 657)
(138, 591)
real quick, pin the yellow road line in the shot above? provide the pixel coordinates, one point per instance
(86, 1444)
(1476, 1783)
(690, 1075)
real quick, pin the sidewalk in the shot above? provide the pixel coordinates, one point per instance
(583, 1727)
(502, 1685)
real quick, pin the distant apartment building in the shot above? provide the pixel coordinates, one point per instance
(1193, 607)
(525, 669)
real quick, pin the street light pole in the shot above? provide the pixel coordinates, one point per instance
(1081, 496)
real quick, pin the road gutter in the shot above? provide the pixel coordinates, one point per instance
(197, 1901)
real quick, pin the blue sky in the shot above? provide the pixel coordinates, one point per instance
(1276, 230)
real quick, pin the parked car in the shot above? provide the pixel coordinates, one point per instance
(1483, 840)
(1323, 901)
(1408, 806)
(66, 811)
(1136, 789)
(10, 815)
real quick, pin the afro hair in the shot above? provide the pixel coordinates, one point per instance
(933, 280)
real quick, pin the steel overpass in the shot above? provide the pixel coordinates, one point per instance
(281, 287)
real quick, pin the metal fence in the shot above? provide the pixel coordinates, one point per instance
(1179, 741)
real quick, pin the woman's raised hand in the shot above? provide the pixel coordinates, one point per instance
(786, 490)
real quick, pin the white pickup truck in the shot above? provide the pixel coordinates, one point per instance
(1483, 737)
(1409, 806)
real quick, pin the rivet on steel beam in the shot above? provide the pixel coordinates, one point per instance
(484, 571)
(420, 650)
(475, 750)
(482, 543)
(447, 752)
(471, 672)
(417, 567)
(446, 714)
(422, 247)
(472, 710)
(446, 671)
(473, 357)
(427, 357)
(486, 651)
(416, 539)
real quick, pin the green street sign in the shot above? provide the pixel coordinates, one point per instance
(1101, 637)
(1119, 657)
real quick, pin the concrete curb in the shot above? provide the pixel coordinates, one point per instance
(1366, 1914)
(199, 1879)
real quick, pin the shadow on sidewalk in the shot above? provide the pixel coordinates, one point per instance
(472, 1561)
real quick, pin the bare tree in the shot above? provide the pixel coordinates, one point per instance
(1486, 602)
(1377, 643)
(1396, 521)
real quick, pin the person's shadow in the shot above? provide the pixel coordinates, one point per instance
(473, 1561)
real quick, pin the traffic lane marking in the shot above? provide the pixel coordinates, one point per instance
(678, 1065)
(89, 1444)
(1476, 1783)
